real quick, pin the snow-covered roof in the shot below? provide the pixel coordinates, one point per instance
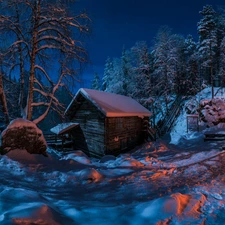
(62, 128)
(111, 105)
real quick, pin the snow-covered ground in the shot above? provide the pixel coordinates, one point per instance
(176, 181)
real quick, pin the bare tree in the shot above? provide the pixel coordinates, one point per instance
(48, 42)
(3, 100)
(51, 31)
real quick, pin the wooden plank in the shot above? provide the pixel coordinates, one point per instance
(214, 135)
(214, 139)
(126, 135)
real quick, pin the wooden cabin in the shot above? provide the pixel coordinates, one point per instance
(108, 123)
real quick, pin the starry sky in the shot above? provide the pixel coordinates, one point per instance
(118, 23)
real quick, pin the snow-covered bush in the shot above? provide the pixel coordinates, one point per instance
(23, 134)
(212, 112)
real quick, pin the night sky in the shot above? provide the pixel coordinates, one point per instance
(118, 23)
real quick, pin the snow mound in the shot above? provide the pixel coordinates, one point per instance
(24, 157)
(107, 158)
(78, 156)
(42, 215)
(180, 207)
(10, 166)
(90, 175)
(127, 161)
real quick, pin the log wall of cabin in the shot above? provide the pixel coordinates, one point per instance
(91, 122)
(123, 133)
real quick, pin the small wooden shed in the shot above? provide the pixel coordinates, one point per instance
(109, 123)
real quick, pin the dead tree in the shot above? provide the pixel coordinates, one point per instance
(49, 31)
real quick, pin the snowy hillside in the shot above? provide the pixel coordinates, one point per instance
(159, 183)
(212, 113)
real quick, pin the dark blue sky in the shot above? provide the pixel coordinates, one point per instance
(118, 23)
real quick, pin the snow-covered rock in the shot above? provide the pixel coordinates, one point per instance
(78, 156)
(212, 112)
(24, 134)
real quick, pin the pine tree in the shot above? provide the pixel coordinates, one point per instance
(142, 71)
(222, 63)
(126, 74)
(165, 56)
(108, 74)
(208, 43)
(116, 84)
(96, 82)
(192, 78)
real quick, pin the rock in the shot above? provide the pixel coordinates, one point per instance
(24, 134)
(212, 112)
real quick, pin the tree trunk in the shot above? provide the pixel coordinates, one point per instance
(32, 61)
(21, 95)
(3, 101)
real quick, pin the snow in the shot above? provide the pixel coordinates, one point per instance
(158, 183)
(63, 128)
(133, 188)
(213, 113)
(112, 105)
(19, 122)
(78, 156)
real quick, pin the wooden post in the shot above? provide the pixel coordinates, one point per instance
(193, 117)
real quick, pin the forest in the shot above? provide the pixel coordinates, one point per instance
(43, 52)
(173, 66)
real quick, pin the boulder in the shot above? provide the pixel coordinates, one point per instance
(24, 134)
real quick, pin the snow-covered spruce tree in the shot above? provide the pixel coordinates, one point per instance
(167, 63)
(48, 34)
(108, 73)
(142, 68)
(96, 84)
(113, 76)
(126, 73)
(192, 78)
(208, 43)
(222, 63)
(118, 75)
(176, 63)
(221, 44)
(116, 84)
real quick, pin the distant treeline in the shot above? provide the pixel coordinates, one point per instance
(174, 65)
